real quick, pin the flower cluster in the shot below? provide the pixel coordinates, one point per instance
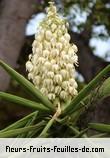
(51, 65)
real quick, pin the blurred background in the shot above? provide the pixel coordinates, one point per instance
(89, 27)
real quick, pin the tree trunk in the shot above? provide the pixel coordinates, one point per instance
(89, 64)
(13, 19)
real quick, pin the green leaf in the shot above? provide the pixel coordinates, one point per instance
(84, 92)
(19, 123)
(99, 94)
(100, 127)
(77, 132)
(81, 133)
(101, 135)
(27, 85)
(22, 101)
(29, 123)
(105, 89)
(15, 132)
(47, 127)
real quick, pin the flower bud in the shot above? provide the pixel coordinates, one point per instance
(30, 56)
(53, 27)
(30, 76)
(72, 91)
(37, 80)
(67, 37)
(29, 66)
(55, 68)
(41, 60)
(65, 85)
(47, 45)
(46, 53)
(50, 74)
(57, 90)
(53, 40)
(63, 95)
(48, 35)
(58, 79)
(53, 61)
(44, 91)
(54, 53)
(48, 83)
(65, 74)
(59, 46)
(51, 96)
(47, 65)
(75, 48)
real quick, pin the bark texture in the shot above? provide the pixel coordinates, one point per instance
(13, 18)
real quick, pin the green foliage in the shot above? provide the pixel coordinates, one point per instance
(100, 127)
(46, 122)
(22, 101)
(85, 91)
(27, 85)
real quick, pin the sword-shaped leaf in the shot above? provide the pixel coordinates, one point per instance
(27, 85)
(22, 101)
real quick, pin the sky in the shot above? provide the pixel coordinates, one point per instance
(102, 47)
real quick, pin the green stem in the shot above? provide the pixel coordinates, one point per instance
(47, 127)
(84, 92)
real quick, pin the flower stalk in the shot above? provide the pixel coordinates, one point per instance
(51, 121)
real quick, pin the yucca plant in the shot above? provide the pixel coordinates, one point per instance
(57, 104)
